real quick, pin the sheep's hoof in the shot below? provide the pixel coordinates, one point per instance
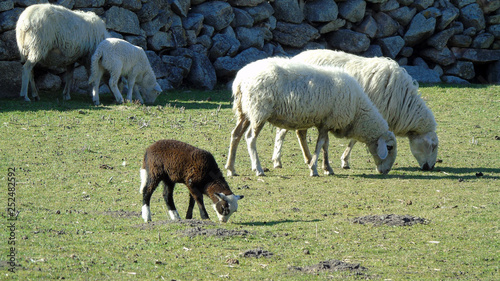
(329, 172)
(345, 165)
(232, 174)
(277, 165)
(37, 98)
(26, 99)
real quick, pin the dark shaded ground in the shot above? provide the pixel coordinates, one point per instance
(331, 265)
(390, 220)
(256, 253)
(219, 232)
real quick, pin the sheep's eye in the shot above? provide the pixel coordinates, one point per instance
(390, 147)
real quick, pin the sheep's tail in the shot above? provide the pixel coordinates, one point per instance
(94, 66)
(236, 96)
(144, 175)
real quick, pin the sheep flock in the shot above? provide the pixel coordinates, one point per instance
(368, 100)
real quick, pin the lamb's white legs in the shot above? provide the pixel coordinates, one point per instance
(322, 138)
(278, 143)
(347, 155)
(174, 215)
(68, 77)
(251, 138)
(146, 213)
(236, 135)
(26, 79)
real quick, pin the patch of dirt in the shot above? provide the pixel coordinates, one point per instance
(122, 214)
(331, 265)
(390, 220)
(191, 223)
(218, 232)
(256, 253)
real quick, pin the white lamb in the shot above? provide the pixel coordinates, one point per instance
(297, 96)
(394, 93)
(54, 36)
(120, 58)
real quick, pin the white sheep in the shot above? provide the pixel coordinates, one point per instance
(54, 36)
(297, 96)
(394, 93)
(121, 58)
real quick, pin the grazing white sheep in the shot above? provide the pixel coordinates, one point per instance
(54, 36)
(394, 93)
(120, 58)
(297, 96)
(171, 162)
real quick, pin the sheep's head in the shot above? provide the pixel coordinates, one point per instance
(226, 206)
(384, 152)
(150, 89)
(425, 147)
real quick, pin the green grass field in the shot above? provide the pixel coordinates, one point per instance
(78, 205)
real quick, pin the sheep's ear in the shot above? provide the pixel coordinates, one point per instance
(238, 197)
(382, 151)
(157, 87)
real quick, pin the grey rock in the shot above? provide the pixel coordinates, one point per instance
(81, 81)
(6, 5)
(448, 15)
(373, 51)
(88, 3)
(402, 61)
(260, 12)
(241, 18)
(250, 37)
(391, 46)
(462, 3)
(226, 67)
(180, 7)
(133, 5)
(418, 61)
(472, 16)
(8, 46)
(353, 11)
(194, 22)
(476, 55)
(26, 3)
(493, 19)
(489, 6)
(288, 11)
(204, 40)
(294, 35)
(495, 30)
(471, 31)
(348, 40)
(431, 12)
(160, 21)
(10, 80)
(454, 80)
(160, 41)
(202, 74)
(483, 41)
(386, 26)
(179, 35)
(419, 30)
(331, 26)
(443, 57)
(207, 30)
(406, 52)
(137, 40)
(406, 2)
(440, 39)
(388, 6)
(70, 3)
(422, 75)
(403, 15)
(321, 10)
(165, 84)
(150, 10)
(245, 3)
(48, 82)
(157, 64)
(178, 68)
(368, 26)
(224, 44)
(460, 40)
(423, 4)
(122, 20)
(462, 69)
(9, 18)
(217, 13)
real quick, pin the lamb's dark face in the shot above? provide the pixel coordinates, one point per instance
(226, 206)
(424, 148)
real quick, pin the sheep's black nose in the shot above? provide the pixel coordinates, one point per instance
(426, 167)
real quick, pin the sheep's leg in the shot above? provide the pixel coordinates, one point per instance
(347, 155)
(251, 138)
(113, 86)
(236, 135)
(198, 197)
(278, 143)
(131, 83)
(95, 88)
(301, 136)
(34, 89)
(137, 94)
(68, 77)
(189, 214)
(168, 196)
(27, 77)
(326, 165)
(148, 186)
(322, 138)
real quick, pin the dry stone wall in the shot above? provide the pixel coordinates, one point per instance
(199, 43)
